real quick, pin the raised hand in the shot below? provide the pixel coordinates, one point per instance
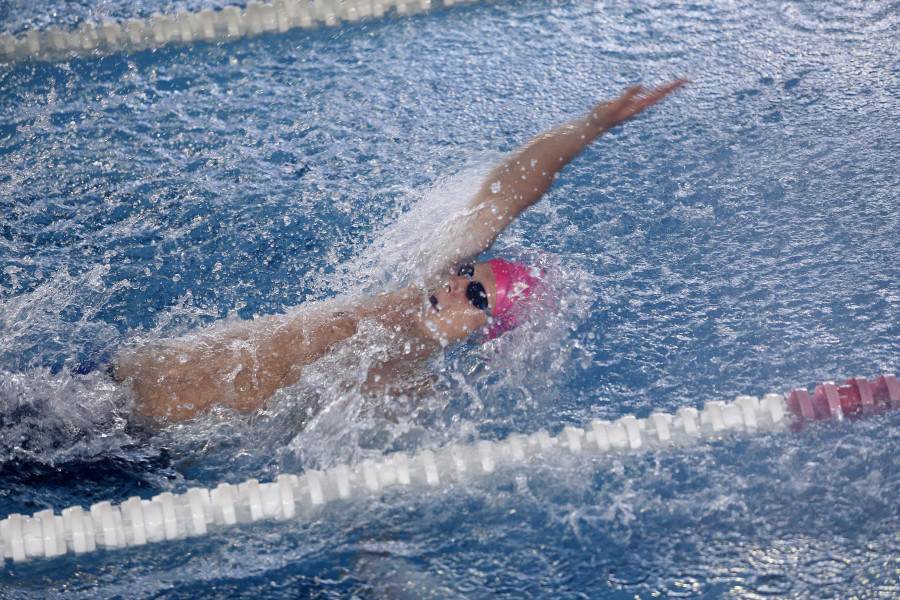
(635, 100)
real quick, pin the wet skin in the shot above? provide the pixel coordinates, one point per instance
(241, 365)
(450, 310)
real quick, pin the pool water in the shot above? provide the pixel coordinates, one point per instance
(739, 238)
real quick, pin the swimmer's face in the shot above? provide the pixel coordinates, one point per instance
(450, 310)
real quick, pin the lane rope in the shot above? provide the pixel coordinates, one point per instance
(231, 23)
(167, 516)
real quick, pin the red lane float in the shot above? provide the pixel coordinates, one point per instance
(858, 397)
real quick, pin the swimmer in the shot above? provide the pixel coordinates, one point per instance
(242, 364)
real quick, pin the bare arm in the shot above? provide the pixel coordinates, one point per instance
(238, 365)
(242, 364)
(525, 175)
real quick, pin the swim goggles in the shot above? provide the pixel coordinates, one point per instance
(475, 292)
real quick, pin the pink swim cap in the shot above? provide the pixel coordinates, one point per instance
(516, 282)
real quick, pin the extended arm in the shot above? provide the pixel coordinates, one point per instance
(524, 176)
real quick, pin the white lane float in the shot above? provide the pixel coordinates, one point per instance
(227, 24)
(167, 516)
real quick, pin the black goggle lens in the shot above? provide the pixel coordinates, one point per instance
(475, 292)
(466, 271)
(477, 295)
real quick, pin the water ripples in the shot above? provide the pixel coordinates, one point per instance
(739, 239)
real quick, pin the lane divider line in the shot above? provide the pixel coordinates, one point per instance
(228, 24)
(169, 516)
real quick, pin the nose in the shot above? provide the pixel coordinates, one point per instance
(457, 283)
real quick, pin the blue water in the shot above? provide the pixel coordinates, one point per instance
(739, 238)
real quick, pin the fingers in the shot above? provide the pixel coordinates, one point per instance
(630, 103)
(637, 102)
(663, 91)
